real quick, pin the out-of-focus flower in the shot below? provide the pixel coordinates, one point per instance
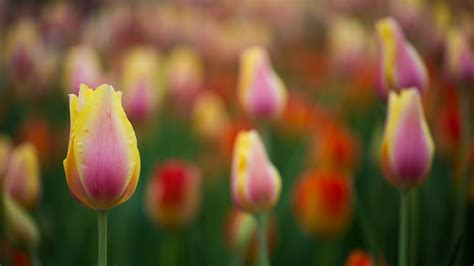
(407, 146)
(300, 115)
(323, 203)
(448, 122)
(261, 92)
(209, 116)
(185, 76)
(334, 147)
(359, 257)
(81, 65)
(140, 81)
(5, 150)
(103, 163)
(22, 179)
(173, 195)
(348, 43)
(256, 183)
(20, 228)
(459, 60)
(399, 65)
(38, 131)
(24, 53)
(240, 234)
(228, 136)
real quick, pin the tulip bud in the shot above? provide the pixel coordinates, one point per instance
(407, 146)
(256, 183)
(20, 228)
(140, 82)
(81, 65)
(173, 195)
(209, 116)
(323, 203)
(22, 180)
(103, 163)
(459, 59)
(262, 93)
(399, 65)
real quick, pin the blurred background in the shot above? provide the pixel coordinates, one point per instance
(177, 63)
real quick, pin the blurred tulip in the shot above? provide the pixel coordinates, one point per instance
(5, 151)
(173, 195)
(407, 147)
(23, 52)
(81, 65)
(399, 65)
(20, 229)
(334, 147)
(323, 203)
(102, 165)
(348, 43)
(459, 60)
(261, 92)
(185, 76)
(448, 123)
(209, 116)
(22, 180)
(359, 257)
(142, 92)
(240, 234)
(256, 183)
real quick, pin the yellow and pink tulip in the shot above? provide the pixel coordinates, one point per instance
(407, 148)
(261, 92)
(399, 65)
(22, 179)
(256, 183)
(103, 163)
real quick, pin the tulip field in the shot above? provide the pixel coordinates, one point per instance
(251, 132)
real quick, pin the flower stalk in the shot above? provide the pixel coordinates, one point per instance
(102, 235)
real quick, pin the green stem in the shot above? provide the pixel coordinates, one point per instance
(413, 227)
(403, 233)
(35, 261)
(459, 220)
(170, 249)
(102, 226)
(262, 239)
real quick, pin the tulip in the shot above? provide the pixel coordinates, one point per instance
(173, 194)
(22, 179)
(81, 65)
(102, 165)
(261, 92)
(256, 183)
(209, 116)
(459, 59)
(140, 82)
(347, 43)
(323, 203)
(185, 76)
(335, 147)
(359, 257)
(5, 150)
(407, 146)
(399, 65)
